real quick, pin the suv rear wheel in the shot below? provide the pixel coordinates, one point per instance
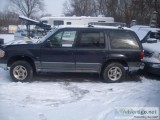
(114, 72)
(21, 71)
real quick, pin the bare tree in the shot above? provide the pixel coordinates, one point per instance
(127, 10)
(80, 7)
(46, 15)
(28, 8)
(121, 10)
(7, 18)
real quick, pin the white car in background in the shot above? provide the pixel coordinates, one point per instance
(150, 39)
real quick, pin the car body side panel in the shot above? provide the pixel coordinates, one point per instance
(89, 59)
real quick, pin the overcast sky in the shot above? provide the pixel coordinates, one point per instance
(54, 7)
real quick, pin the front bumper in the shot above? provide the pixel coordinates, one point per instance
(153, 68)
(3, 66)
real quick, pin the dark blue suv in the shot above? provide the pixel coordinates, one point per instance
(108, 51)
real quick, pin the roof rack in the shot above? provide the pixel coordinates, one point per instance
(120, 27)
(90, 25)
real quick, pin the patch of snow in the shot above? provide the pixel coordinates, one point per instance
(143, 27)
(151, 60)
(78, 18)
(142, 30)
(141, 33)
(94, 26)
(7, 37)
(28, 19)
(64, 100)
(9, 40)
(153, 47)
(18, 42)
(155, 50)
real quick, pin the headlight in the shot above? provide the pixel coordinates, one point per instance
(2, 53)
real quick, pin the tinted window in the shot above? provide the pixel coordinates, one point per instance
(91, 40)
(63, 39)
(123, 40)
(58, 22)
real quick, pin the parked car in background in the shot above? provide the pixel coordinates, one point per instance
(108, 51)
(150, 38)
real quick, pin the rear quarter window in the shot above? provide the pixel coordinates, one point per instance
(123, 40)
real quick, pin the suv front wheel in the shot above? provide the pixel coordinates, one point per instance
(114, 72)
(21, 71)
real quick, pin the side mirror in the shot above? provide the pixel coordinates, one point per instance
(152, 40)
(1, 41)
(52, 44)
(48, 43)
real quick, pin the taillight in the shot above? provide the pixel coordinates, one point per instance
(141, 55)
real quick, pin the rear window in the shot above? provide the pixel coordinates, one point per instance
(155, 35)
(123, 40)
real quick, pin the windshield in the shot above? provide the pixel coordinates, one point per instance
(48, 35)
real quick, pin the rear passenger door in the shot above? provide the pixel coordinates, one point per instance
(90, 52)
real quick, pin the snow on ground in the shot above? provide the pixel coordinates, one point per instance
(73, 97)
(7, 37)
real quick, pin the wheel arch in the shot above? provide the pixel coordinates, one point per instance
(123, 62)
(21, 57)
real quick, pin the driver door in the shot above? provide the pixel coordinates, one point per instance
(58, 52)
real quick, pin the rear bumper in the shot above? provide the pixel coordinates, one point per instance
(153, 68)
(135, 66)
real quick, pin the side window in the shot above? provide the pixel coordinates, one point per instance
(68, 38)
(63, 39)
(69, 23)
(123, 40)
(92, 40)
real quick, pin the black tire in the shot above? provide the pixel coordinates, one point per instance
(25, 67)
(110, 67)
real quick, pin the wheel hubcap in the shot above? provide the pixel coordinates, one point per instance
(114, 73)
(20, 72)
